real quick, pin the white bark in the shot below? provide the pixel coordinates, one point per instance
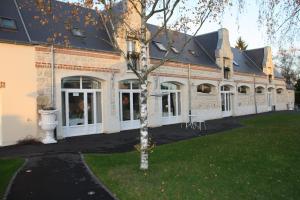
(144, 127)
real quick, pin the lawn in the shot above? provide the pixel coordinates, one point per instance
(7, 169)
(258, 161)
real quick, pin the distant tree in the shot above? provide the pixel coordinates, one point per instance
(297, 85)
(241, 44)
(287, 61)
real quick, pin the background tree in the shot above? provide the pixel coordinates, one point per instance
(280, 18)
(288, 63)
(241, 44)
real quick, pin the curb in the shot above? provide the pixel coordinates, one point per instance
(95, 178)
(13, 178)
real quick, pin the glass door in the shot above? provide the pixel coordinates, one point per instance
(130, 110)
(76, 109)
(226, 104)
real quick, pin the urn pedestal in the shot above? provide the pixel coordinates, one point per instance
(48, 123)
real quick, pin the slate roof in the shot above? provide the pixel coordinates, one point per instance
(201, 57)
(209, 41)
(96, 37)
(257, 55)
(9, 10)
(245, 63)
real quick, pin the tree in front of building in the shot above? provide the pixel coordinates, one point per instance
(241, 44)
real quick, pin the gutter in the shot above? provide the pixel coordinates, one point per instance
(255, 103)
(190, 95)
(23, 23)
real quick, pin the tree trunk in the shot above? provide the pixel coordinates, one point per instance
(144, 127)
(144, 92)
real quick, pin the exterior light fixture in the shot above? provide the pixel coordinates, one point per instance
(130, 47)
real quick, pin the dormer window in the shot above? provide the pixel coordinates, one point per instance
(174, 50)
(7, 23)
(270, 78)
(192, 52)
(78, 32)
(226, 72)
(160, 46)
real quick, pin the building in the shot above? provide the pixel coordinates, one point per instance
(95, 92)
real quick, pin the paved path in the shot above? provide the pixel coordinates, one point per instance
(56, 177)
(119, 142)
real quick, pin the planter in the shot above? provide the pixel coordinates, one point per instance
(48, 123)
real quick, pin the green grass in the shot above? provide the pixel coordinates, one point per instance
(7, 169)
(258, 161)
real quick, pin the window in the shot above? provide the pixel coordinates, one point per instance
(279, 91)
(175, 50)
(78, 82)
(226, 72)
(134, 59)
(235, 63)
(7, 23)
(259, 90)
(270, 78)
(225, 88)
(204, 88)
(160, 46)
(169, 86)
(78, 32)
(192, 52)
(243, 89)
(129, 84)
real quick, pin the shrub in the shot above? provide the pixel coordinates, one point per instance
(28, 140)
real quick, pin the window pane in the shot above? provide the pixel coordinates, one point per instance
(90, 107)
(136, 106)
(179, 103)
(76, 109)
(71, 82)
(223, 101)
(173, 103)
(125, 106)
(99, 107)
(63, 108)
(124, 85)
(165, 105)
(8, 23)
(90, 83)
(135, 85)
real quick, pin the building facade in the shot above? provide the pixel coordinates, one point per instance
(90, 84)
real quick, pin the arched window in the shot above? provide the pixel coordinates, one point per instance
(225, 88)
(169, 86)
(279, 91)
(80, 82)
(259, 90)
(205, 88)
(129, 84)
(243, 89)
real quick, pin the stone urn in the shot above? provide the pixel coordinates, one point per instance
(48, 123)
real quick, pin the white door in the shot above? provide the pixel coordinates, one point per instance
(269, 99)
(82, 112)
(129, 109)
(226, 103)
(171, 107)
